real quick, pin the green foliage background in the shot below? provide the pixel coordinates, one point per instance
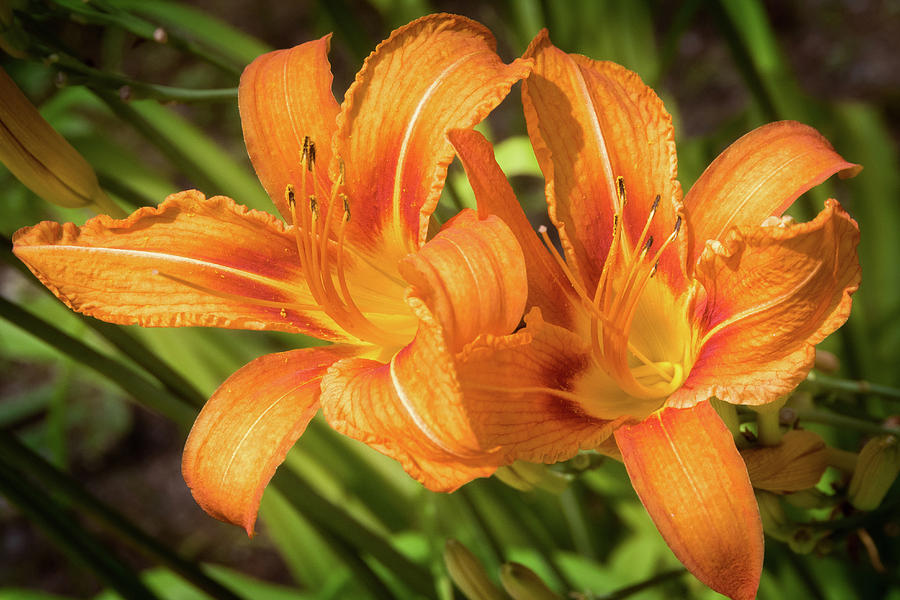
(92, 417)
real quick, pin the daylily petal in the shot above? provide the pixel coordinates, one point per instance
(284, 96)
(472, 277)
(548, 287)
(771, 294)
(410, 409)
(247, 427)
(689, 475)
(192, 261)
(591, 122)
(518, 393)
(438, 73)
(759, 175)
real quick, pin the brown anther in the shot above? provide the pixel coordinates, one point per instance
(653, 270)
(346, 202)
(677, 224)
(289, 194)
(311, 155)
(314, 207)
(620, 185)
(655, 203)
(649, 244)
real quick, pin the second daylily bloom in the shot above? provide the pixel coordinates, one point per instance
(661, 303)
(357, 184)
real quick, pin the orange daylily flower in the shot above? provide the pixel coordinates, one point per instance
(660, 302)
(357, 184)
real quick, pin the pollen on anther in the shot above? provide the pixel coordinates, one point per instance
(313, 206)
(289, 193)
(346, 202)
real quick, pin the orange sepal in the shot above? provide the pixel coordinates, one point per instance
(548, 287)
(247, 427)
(435, 74)
(284, 96)
(759, 175)
(192, 261)
(771, 294)
(690, 477)
(591, 122)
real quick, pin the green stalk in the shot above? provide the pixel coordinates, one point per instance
(824, 382)
(130, 380)
(78, 543)
(332, 518)
(112, 16)
(835, 420)
(95, 78)
(19, 456)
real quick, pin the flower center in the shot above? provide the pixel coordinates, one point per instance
(320, 245)
(645, 358)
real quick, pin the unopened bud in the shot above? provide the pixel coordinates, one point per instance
(40, 157)
(806, 539)
(775, 521)
(876, 469)
(13, 40)
(795, 464)
(522, 583)
(826, 362)
(525, 476)
(810, 498)
(468, 573)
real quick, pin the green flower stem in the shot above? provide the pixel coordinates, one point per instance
(824, 382)
(78, 543)
(842, 459)
(110, 15)
(131, 381)
(21, 457)
(95, 78)
(327, 516)
(768, 428)
(829, 418)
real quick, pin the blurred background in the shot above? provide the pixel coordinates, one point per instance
(145, 90)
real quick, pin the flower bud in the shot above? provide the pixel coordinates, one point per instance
(522, 583)
(795, 464)
(876, 469)
(525, 476)
(12, 38)
(468, 573)
(40, 157)
(775, 521)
